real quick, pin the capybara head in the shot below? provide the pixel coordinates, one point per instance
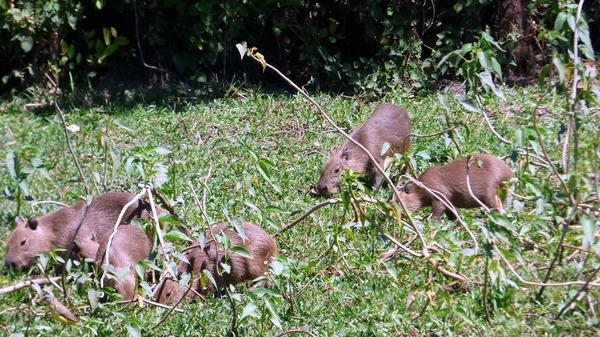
(414, 197)
(29, 239)
(329, 182)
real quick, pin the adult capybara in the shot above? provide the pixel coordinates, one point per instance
(486, 174)
(129, 245)
(388, 124)
(259, 243)
(55, 229)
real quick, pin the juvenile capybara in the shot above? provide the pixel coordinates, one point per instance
(129, 245)
(388, 124)
(486, 174)
(259, 243)
(55, 229)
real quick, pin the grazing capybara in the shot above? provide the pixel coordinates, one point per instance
(388, 124)
(55, 229)
(486, 174)
(259, 243)
(129, 245)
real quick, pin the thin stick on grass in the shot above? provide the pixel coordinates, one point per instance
(28, 283)
(116, 228)
(295, 330)
(541, 284)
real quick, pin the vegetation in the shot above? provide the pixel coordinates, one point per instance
(371, 46)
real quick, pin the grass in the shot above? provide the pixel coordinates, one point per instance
(259, 150)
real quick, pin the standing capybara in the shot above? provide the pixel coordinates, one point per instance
(55, 229)
(486, 174)
(129, 245)
(259, 243)
(388, 124)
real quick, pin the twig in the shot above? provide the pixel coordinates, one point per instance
(157, 223)
(160, 305)
(137, 37)
(49, 279)
(313, 209)
(416, 135)
(540, 284)
(52, 202)
(198, 203)
(27, 283)
(174, 307)
(105, 260)
(171, 210)
(234, 331)
(295, 330)
(489, 124)
(487, 210)
(577, 296)
(552, 167)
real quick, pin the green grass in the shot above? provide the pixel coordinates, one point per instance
(333, 277)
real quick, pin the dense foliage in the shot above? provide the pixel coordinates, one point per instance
(371, 45)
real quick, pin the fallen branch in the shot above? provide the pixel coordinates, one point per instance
(28, 283)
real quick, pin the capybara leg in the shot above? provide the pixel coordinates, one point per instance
(437, 209)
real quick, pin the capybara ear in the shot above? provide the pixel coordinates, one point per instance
(20, 221)
(346, 154)
(32, 224)
(408, 188)
(331, 151)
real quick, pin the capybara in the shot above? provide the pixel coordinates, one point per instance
(486, 174)
(259, 243)
(388, 124)
(129, 246)
(55, 229)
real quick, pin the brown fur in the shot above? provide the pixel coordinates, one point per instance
(388, 124)
(129, 246)
(259, 243)
(55, 229)
(450, 180)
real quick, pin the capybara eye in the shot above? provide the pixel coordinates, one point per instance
(337, 170)
(23, 242)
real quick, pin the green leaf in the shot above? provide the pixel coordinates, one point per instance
(122, 125)
(12, 164)
(589, 227)
(27, 43)
(71, 51)
(242, 251)
(391, 269)
(560, 67)
(162, 150)
(238, 226)
(560, 21)
(468, 103)
(210, 277)
(106, 33)
(385, 148)
(134, 330)
(250, 310)
(486, 79)
(176, 236)
(72, 21)
(121, 41)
